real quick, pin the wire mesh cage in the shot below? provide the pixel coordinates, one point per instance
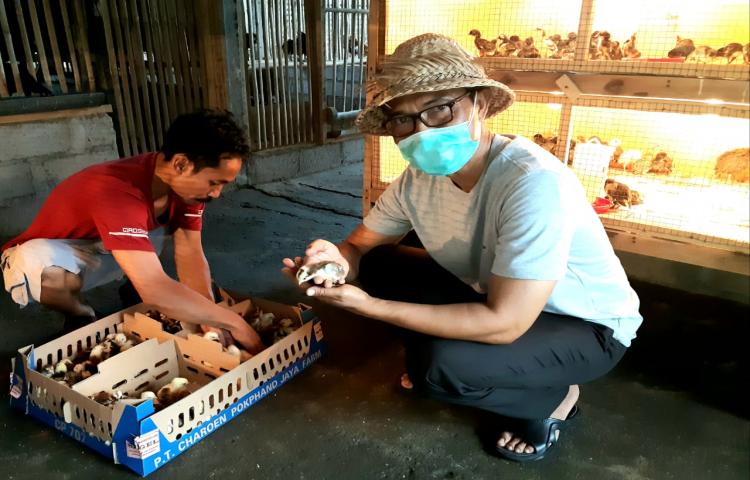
(539, 33)
(670, 37)
(660, 150)
(667, 169)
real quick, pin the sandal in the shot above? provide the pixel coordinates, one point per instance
(540, 434)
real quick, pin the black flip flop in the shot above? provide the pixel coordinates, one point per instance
(540, 434)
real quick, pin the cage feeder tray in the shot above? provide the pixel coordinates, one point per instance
(602, 205)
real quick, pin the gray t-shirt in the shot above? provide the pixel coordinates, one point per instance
(527, 218)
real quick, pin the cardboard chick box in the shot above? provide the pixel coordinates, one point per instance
(131, 431)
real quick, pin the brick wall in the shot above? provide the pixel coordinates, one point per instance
(36, 155)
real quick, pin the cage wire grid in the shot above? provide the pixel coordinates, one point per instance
(678, 169)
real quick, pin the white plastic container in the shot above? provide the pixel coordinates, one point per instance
(591, 164)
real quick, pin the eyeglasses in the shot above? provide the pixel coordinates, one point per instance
(435, 116)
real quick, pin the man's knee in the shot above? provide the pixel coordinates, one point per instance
(441, 367)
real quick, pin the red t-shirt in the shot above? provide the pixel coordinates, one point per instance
(110, 201)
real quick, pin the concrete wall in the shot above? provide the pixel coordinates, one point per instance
(36, 155)
(283, 163)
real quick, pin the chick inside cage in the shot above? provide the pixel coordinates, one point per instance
(675, 31)
(489, 28)
(701, 32)
(672, 172)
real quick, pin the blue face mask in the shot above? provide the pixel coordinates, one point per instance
(440, 151)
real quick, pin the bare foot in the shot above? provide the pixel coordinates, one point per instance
(406, 382)
(518, 445)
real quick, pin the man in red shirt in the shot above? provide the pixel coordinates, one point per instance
(111, 218)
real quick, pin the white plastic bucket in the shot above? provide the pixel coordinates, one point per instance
(591, 163)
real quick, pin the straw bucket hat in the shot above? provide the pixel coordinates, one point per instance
(427, 63)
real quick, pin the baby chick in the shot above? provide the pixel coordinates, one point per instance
(169, 325)
(85, 369)
(508, 45)
(702, 54)
(151, 395)
(683, 48)
(528, 49)
(661, 164)
(621, 194)
(233, 350)
(122, 341)
(284, 328)
(101, 352)
(238, 352)
(263, 321)
(732, 52)
(629, 50)
(212, 336)
(325, 270)
(63, 366)
(615, 52)
(108, 398)
(485, 47)
(173, 391)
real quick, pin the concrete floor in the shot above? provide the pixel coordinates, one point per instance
(674, 408)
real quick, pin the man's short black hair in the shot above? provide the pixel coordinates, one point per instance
(205, 137)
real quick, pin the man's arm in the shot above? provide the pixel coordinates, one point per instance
(512, 307)
(180, 301)
(191, 263)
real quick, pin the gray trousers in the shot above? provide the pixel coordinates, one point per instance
(525, 379)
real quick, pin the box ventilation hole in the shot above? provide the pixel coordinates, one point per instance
(161, 362)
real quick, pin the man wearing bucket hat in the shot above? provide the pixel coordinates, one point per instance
(516, 297)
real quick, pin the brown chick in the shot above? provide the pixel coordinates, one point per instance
(702, 54)
(101, 352)
(683, 48)
(553, 43)
(508, 46)
(615, 52)
(85, 369)
(528, 49)
(104, 397)
(173, 392)
(599, 45)
(629, 50)
(661, 164)
(484, 46)
(568, 46)
(733, 165)
(620, 194)
(604, 46)
(732, 52)
(108, 398)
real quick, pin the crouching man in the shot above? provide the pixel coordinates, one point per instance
(113, 218)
